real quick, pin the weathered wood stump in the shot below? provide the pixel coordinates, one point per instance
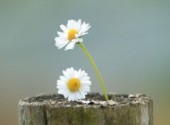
(53, 109)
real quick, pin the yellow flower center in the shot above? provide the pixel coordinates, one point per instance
(72, 34)
(73, 84)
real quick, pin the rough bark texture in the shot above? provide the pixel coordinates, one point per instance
(53, 109)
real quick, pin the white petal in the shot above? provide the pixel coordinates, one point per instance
(66, 94)
(61, 34)
(82, 74)
(78, 25)
(84, 28)
(86, 83)
(85, 89)
(84, 33)
(60, 42)
(70, 46)
(82, 94)
(59, 46)
(70, 72)
(79, 95)
(71, 24)
(71, 97)
(64, 28)
(75, 40)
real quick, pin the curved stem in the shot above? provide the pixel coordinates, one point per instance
(86, 52)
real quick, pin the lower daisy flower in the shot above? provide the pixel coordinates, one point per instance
(74, 84)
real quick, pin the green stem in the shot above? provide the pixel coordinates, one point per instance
(86, 52)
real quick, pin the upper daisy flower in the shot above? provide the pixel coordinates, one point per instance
(72, 34)
(74, 85)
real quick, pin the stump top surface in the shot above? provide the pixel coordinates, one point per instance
(92, 99)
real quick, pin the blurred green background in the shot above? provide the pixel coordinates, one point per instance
(129, 40)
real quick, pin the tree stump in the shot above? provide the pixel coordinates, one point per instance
(53, 109)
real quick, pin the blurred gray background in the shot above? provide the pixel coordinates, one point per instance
(129, 40)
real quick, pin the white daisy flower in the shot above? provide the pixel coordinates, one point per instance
(74, 85)
(72, 34)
